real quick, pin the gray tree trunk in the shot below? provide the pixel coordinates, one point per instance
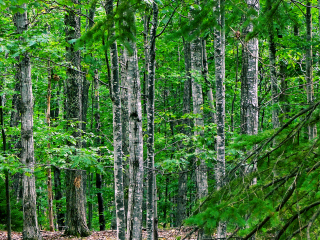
(219, 46)
(312, 129)
(150, 127)
(134, 224)
(117, 135)
(30, 222)
(75, 179)
(196, 68)
(249, 83)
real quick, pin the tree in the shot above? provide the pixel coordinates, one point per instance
(30, 223)
(75, 179)
(219, 45)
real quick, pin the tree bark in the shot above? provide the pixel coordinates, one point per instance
(75, 179)
(134, 224)
(196, 68)
(219, 46)
(30, 222)
(117, 134)
(150, 127)
(312, 129)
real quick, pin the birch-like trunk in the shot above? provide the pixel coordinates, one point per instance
(75, 179)
(134, 224)
(125, 125)
(150, 127)
(196, 68)
(312, 129)
(30, 222)
(117, 135)
(249, 83)
(219, 55)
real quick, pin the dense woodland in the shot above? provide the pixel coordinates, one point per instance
(156, 114)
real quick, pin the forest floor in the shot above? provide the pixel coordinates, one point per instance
(164, 234)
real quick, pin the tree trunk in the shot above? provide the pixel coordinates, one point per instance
(30, 222)
(219, 46)
(58, 198)
(196, 67)
(150, 127)
(75, 179)
(125, 124)
(117, 135)
(273, 74)
(249, 84)
(312, 129)
(96, 100)
(49, 178)
(134, 225)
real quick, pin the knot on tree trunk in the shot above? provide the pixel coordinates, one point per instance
(26, 134)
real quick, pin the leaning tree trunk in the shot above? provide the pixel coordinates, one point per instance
(134, 219)
(30, 223)
(75, 179)
(117, 134)
(150, 128)
(249, 84)
(219, 46)
(312, 129)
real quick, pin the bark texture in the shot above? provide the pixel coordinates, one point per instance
(197, 97)
(312, 129)
(30, 222)
(134, 221)
(249, 80)
(75, 179)
(150, 127)
(219, 55)
(117, 135)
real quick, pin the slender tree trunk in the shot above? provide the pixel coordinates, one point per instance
(312, 129)
(273, 74)
(134, 225)
(7, 173)
(219, 46)
(117, 135)
(49, 179)
(146, 21)
(150, 127)
(196, 67)
(125, 124)
(96, 100)
(30, 222)
(75, 179)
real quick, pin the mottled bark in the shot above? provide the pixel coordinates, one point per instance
(219, 56)
(58, 197)
(205, 71)
(117, 134)
(134, 221)
(196, 68)
(150, 127)
(312, 129)
(125, 124)
(249, 80)
(30, 222)
(146, 21)
(75, 179)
